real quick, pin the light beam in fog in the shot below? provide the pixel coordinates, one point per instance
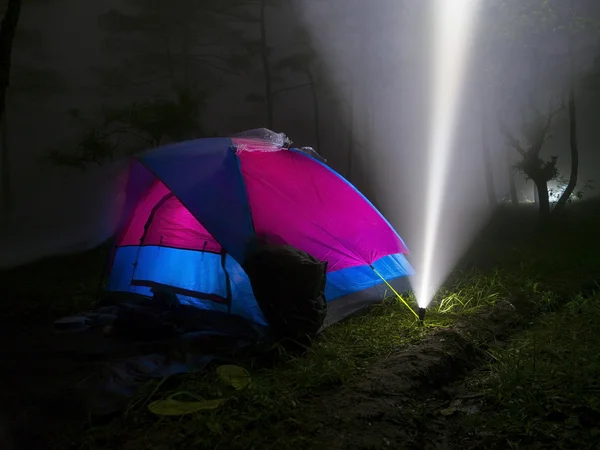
(453, 22)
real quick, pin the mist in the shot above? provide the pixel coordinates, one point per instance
(382, 60)
(371, 67)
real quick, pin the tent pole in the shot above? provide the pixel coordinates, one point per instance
(227, 279)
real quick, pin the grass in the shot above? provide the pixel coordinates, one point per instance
(272, 413)
(268, 413)
(543, 391)
(549, 368)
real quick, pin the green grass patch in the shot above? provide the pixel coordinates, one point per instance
(544, 389)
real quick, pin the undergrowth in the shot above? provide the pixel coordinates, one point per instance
(266, 414)
(543, 391)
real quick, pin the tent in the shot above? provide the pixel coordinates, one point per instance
(192, 208)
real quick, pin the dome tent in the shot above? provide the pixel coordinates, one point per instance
(193, 208)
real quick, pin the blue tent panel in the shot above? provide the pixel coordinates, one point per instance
(202, 272)
(189, 270)
(205, 175)
(354, 279)
(243, 304)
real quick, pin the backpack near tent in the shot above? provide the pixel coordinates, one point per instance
(211, 223)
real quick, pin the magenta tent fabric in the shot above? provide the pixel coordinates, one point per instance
(171, 224)
(294, 199)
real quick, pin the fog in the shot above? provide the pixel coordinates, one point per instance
(372, 75)
(389, 50)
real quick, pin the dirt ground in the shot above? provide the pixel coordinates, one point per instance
(406, 400)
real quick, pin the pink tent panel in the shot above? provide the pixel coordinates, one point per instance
(172, 225)
(296, 200)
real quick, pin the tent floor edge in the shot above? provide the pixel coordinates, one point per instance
(358, 303)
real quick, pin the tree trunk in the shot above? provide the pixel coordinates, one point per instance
(487, 165)
(564, 198)
(264, 54)
(350, 130)
(8, 29)
(316, 114)
(185, 63)
(514, 196)
(566, 195)
(4, 161)
(543, 199)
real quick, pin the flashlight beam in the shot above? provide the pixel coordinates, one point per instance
(453, 23)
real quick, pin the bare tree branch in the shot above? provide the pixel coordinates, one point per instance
(291, 88)
(509, 138)
(553, 112)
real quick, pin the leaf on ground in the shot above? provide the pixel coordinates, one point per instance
(170, 407)
(447, 411)
(235, 376)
